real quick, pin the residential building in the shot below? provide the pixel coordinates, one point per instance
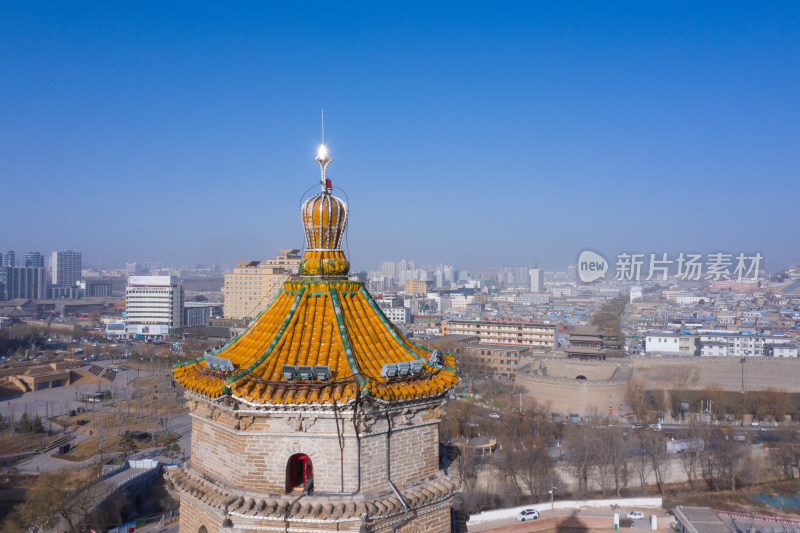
(66, 268)
(96, 288)
(780, 350)
(671, 343)
(416, 286)
(8, 259)
(733, 285)
(32, 259)
(491, 359)
(537, 279)
(398, 315)
(532, 298)
(153, 305)
(253, 284)
(740, 344)
(197, 314)
(22, 282)
(542, 337)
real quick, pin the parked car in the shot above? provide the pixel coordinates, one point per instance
(527, 514)
(635, 515)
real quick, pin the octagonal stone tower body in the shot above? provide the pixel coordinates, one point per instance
(321, 415)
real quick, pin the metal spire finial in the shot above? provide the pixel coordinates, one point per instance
(323, 158)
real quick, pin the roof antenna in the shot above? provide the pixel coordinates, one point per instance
(323, 126)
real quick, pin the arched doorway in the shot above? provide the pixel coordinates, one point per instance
(581, 377)
(299, 473)
(202, 529)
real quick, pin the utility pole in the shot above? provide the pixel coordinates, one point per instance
(744, 383)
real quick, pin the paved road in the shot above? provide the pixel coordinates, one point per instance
(663, 518)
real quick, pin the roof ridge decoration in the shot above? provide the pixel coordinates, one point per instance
(327, 329)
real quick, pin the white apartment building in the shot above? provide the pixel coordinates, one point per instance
(735, 344)
(532, 298)
(537, 279)
(670, 343)
(458, 301)
(688, 299)
(398, 315)
(543, 337)
(153, 305)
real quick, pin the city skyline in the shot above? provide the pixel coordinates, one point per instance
(479, 137)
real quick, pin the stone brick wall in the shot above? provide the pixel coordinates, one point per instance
(193, 517)
(252, 450)
(436, 520)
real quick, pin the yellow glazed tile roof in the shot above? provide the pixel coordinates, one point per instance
(318, 321)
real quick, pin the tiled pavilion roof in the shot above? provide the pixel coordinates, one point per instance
(321, 318)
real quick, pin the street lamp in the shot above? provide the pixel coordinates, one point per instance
(552, 491)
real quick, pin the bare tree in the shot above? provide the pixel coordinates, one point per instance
(61, 500)
(580, 443)
(692, 453)
(788, 456)
(533, 469)
(634, 395)
(611, 450)
(654, 448)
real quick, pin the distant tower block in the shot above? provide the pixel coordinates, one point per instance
(321, 416)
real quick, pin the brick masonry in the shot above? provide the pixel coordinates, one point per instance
(246, 450)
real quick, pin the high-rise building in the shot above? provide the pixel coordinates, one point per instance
(22, 282)
(253, 284)
(5, 283)
(389, 269)
(32, 259)
(153, 305)
(537, 279)
(8, 259)
(66, 268)
(572, 272)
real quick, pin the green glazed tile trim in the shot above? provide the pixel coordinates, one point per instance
(275, 340)
(399, 338)
(348, 351)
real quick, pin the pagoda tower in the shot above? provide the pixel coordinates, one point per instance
(321, 415)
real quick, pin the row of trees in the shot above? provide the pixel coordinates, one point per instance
(770, 404)
(600, 458)
(25, 424)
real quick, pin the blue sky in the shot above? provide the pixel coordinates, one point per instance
(476, 134)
